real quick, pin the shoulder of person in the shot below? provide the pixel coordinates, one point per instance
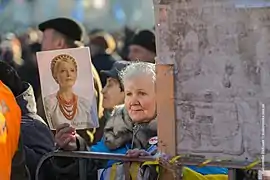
(34, 129)
(119, 110)
(83, 102)
(50, 98)
(118, 113)
(153, 125)
(49, 103)
(34, 120)
(120, 120)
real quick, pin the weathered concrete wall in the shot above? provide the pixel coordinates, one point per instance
(222, 74)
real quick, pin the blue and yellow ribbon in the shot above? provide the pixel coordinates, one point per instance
(91, 135)
(113, 171)
(205, 163)
(252, 165)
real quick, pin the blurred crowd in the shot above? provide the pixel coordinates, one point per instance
(19, 50)
(111, 53)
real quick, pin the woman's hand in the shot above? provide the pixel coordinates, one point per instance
(65, 137)
(137, 152)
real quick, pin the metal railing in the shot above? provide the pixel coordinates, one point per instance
(82, 155)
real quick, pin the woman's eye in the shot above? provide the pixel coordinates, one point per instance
(128, 94)
(142, 93)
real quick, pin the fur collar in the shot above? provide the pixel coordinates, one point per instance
(120, 130)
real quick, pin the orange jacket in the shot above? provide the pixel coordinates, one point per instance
(10, 120)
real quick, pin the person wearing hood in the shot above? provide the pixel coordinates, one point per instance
(37, 139)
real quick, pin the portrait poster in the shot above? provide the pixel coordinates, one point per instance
(67, 88)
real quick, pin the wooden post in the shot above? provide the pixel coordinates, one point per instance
(165, 93)
(166, 112)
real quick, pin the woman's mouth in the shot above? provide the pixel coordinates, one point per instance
(136, 110)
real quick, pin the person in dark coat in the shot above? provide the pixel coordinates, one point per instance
(102, 47)
(63, 33)
(36, 137)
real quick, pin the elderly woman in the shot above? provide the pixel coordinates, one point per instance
(133, 123)
(65, 106)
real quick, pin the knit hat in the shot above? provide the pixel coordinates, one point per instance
(146, 39)
(118, 66)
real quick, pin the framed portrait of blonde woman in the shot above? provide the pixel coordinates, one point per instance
(67, 88)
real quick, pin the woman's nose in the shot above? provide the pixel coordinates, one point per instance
(103, 90)
(68, 73)
(134, 100)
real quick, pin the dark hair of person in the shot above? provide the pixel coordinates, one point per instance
(121, 86)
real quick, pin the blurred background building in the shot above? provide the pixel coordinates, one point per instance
(108, 15)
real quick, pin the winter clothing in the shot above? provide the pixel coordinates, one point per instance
(10, 118)
(120, 130)
(37, 139)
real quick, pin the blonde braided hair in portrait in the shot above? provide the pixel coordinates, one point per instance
(61, 58)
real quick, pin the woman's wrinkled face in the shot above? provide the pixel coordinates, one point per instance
(66, 74)
(140, 98)
(112, 94)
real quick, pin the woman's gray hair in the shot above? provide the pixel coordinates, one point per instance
(138, 69)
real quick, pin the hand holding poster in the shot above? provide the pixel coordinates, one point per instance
(67, 88)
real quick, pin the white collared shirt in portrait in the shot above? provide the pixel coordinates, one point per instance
(83, 119)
